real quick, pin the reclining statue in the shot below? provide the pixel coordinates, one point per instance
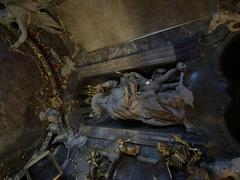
(157, 101)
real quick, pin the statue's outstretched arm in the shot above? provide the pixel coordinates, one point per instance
(168, 86)
(165, 77)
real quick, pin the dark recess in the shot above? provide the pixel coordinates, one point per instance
(230, 60)
(232, 118)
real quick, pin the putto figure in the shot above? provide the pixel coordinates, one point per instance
(157, 101)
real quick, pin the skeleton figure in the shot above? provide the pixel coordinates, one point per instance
(180, 154)
(227, 15)
(99, 166)
(158, 101)
(27, 13)
(93, 165)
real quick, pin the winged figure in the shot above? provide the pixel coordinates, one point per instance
(26, 13)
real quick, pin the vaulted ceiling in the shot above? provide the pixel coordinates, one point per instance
(95, 24)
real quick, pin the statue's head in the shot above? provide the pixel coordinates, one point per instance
(120, 141)
(181, 66)
(98, 89)
(51, 115)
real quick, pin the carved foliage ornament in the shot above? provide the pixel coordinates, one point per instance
(127, 149)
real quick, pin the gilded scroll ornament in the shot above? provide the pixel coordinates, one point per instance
(127, 149)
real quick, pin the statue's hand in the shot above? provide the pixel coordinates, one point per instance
(181, 67)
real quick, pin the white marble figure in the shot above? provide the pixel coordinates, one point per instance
(158, 101)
